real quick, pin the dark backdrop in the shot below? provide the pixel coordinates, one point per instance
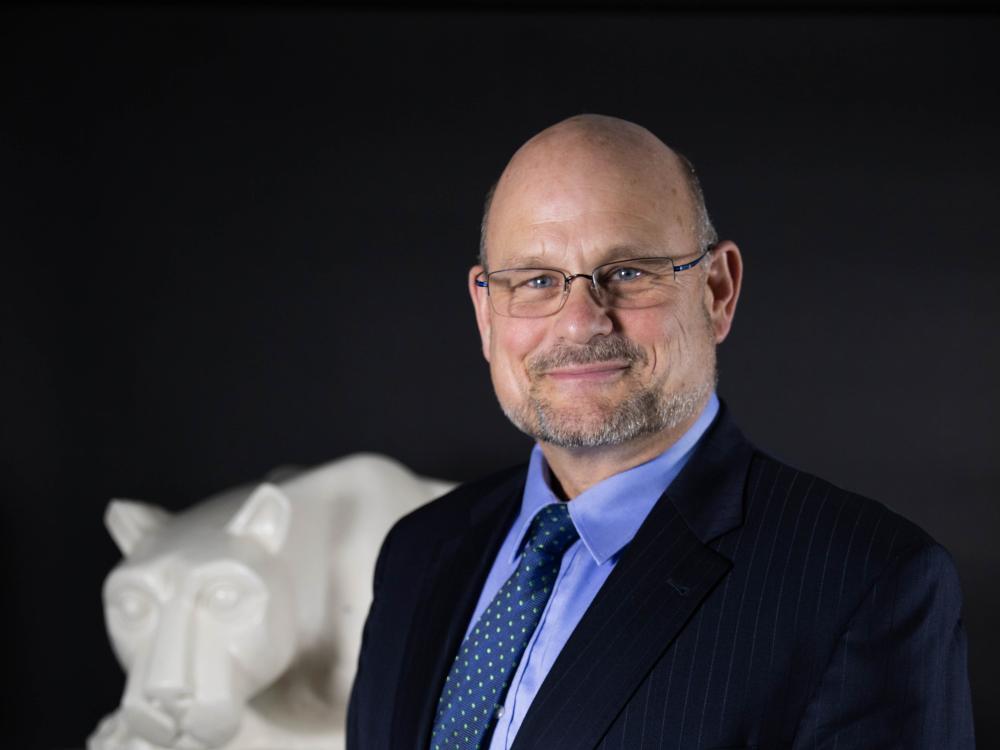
(237, 238)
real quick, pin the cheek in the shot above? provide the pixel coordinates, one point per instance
(511, 343)
(659, 334)
(669, 336)
(692, 340)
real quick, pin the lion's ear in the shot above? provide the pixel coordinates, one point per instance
(264, 517)
(128, 521)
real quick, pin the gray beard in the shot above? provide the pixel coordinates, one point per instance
(646, 411)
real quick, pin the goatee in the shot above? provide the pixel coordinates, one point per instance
(601, 423)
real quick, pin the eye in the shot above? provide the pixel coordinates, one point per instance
(232, 599)
(542, 282)
(132, 607)
(623, 274)
(222, 598)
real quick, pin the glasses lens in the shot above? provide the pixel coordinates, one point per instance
(526, 292)
(638, 282)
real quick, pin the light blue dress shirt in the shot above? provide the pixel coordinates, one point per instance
(606, 516)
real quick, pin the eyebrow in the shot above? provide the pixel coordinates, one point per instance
(527, 261)
(619, 252)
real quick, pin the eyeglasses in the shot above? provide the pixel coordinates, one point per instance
(624, 284)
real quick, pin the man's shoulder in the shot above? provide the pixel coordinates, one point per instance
(822, 521)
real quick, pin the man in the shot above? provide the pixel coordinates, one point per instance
(650, 579)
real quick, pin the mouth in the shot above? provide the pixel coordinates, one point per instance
(592, 372)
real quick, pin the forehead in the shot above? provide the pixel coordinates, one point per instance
(585, 207)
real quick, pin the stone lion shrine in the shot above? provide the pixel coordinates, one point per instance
(238, 621)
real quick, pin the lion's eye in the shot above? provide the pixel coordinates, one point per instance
(133, 606)
(222, 598)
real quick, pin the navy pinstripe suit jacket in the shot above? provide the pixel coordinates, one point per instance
(757, 607)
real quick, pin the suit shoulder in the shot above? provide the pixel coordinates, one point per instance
(826, 521)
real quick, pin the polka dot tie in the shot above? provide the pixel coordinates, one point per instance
(478, 680)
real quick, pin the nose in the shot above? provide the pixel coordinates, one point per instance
(167, 686)
(582, 316)
(173, 699)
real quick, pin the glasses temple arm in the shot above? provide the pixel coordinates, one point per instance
(694, 262)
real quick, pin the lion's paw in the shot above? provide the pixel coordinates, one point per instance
(113, 734)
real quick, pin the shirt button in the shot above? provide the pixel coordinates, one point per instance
(500, 711)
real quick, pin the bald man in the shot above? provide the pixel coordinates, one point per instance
(649, 579)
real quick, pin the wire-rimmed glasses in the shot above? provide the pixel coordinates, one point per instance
(624, 284)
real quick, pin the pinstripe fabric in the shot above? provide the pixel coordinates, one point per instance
(758, 606)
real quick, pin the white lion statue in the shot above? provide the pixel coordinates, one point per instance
(238, 621)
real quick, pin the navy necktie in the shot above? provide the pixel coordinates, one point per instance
(487, 659)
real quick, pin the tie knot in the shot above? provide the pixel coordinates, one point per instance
(551, 531)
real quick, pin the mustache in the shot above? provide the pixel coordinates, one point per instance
(606, 349)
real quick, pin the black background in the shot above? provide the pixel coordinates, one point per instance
(237, 237)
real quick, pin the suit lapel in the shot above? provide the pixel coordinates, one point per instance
(458, 565)
(660, 581)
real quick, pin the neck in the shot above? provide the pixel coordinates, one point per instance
(578, 469)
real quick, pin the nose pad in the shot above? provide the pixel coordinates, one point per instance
(594, 294)
(589, 289)
(582, 319)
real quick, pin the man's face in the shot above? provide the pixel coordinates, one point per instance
(590, 376)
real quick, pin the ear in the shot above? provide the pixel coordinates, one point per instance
(264, 517)
(480, 301)
(725, 275)
(129, 521)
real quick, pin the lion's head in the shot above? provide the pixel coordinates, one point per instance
(199, 613)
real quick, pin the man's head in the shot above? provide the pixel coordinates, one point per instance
(588, 191)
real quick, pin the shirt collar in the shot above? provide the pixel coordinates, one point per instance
(609, 514)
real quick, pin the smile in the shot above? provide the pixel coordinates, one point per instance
(594, 372)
